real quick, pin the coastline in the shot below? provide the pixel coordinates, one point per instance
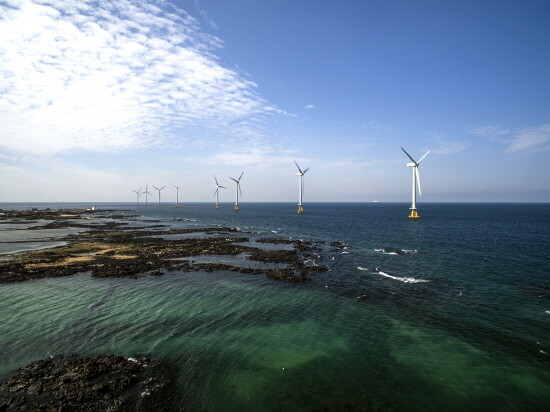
(112, 248)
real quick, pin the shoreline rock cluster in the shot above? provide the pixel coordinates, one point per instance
(111, 249)
(75, 383)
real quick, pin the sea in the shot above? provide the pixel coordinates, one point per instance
(450, 312)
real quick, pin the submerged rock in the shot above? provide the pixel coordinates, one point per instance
(73, 383)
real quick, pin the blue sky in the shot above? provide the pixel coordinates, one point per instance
(97, 98)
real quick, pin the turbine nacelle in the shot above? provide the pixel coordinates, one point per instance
(302, 172)
(410, 164)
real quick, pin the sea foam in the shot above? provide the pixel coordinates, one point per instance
(400, 279)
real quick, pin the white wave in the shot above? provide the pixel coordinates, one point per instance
(384, 251)
(548, 311)
(395, 251)
(401, 279)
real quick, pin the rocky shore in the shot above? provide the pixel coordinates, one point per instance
(114, 249)
(74, 383)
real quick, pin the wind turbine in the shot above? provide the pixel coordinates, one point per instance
(137, 192)
(300, 187)
(415, 182)
(177, 195)
(216, 193)
(159, 192)
(238, 181)
(146, 193)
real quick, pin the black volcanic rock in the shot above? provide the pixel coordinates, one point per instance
(73, 383)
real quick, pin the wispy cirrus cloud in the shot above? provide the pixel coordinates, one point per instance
(112, 75)
(529, 139)
(204, 14)
(536, 138)
(444, 146)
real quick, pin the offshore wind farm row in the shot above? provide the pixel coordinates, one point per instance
(301, 173)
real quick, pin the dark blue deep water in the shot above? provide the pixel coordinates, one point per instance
(459, 319)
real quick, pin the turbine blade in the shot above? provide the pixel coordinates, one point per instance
(409, 156)
(162, 187)
(223, 187)
(215, 192)
(240, 191)
(298, 167)
(217, 184)
(155, 187)
(241, 176)
(418, 180)
(306, 170)
(235, 180)
(423, 157)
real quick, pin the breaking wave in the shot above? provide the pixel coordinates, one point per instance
(400, 279)
(388, 251)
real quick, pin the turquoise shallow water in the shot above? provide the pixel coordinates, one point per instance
(459, 322)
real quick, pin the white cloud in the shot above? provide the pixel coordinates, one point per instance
(206, 16)
(491, 132)
(443, 146)
(111, 75)
(529, 139)
(309, 106)
(253, 152)
(535, 138)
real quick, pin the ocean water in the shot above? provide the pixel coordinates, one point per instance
(459, 319)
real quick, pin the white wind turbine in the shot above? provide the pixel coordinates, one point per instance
(415, 182)
(216, 193)
(238, 181)
(159, 192)
(300, 187)
(177, 195)
(146, 193)
(137, 192)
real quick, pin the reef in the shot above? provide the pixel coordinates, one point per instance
(15, 216)
(76, 383)
(113, 249)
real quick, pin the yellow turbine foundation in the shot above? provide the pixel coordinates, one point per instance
(236, 207)
(414, 214)
(217, 206)
(300, 209)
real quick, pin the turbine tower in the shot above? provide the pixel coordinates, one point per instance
(300, 187)
(216, 193)
(415, 182)
(238, 181)
(159, 192)
(146, 193)
(177, 195)
(137, 192)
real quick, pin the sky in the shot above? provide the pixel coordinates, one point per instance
(99, 98)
